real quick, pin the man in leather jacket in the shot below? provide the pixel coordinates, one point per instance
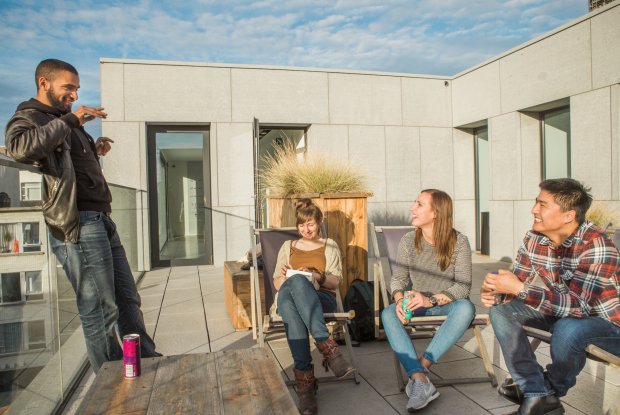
(77, 209)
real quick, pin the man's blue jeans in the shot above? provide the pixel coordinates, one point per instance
(302, 308)
(569, 338)
(460, 314)
(104, 286)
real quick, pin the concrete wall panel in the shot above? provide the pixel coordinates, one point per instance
(330, 139)
(398, 213)
(235, 170)
(277, 96)
(501, 218)
(112, 90)
(122, 165)
(158, 93)
(615, 142)
(556, 67)
(591, 142)
(464, 165)
(476, 95)
(505, 150)
(465, 219)
(402, 163)
(523, 221)
(606, 48)
(367, 150)
(364, 99)
(427, 102)
(531, 173)
(437, 159)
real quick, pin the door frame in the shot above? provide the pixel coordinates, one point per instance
(151, 134)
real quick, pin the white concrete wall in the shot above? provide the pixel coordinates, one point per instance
(408, 132)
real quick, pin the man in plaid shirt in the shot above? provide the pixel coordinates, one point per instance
(566, 280)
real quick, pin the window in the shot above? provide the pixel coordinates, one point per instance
(556, 143)
(21, 336)
(36, 335)
(30, 235)
(31, 191)
(10, 288)
(11, 338)
(34, 285)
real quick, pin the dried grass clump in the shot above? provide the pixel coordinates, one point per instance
(285, 175)
(602, 215)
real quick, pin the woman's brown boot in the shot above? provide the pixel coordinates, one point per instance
(305, 387)
(334, 359)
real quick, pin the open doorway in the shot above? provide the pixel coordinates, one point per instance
(268, 138)
(179, 195)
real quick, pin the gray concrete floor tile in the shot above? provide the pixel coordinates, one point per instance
(182, 306)
(450, 401)
(345, 397)
(219, 327)
(235, 340)
(175, 343)
(181, 323)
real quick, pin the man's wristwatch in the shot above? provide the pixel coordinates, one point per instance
(523, 293)
(433, 301)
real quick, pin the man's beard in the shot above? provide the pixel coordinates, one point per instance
(57, 103)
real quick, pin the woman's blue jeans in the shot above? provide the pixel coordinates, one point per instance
(104, 287)
(569, 339)
(302, 308)
(460, 314)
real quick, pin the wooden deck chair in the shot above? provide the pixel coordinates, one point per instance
(420, 327)
(263, 324)
(592, 351)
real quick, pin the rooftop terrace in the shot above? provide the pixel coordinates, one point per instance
(184, 310)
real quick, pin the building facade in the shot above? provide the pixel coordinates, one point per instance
(185, 137)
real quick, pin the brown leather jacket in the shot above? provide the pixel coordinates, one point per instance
(38, 134)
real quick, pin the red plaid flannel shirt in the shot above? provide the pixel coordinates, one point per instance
(579, 278)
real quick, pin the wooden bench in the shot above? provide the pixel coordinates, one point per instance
(227, 382)
(593, 352)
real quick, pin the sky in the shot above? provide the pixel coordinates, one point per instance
(409, 36)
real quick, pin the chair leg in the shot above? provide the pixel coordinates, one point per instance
(534, 344)
(347, 340)
(399, 374)
(485, 356)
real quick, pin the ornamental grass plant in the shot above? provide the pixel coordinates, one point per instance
(286, 174)
(603, 215)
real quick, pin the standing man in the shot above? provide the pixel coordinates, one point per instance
(566, 280)
(77, 208)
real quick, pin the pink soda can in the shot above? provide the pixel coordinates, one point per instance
(131, 355)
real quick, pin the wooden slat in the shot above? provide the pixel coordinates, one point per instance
(251, 384)
(479, 320)
(186, 384)
(113, 394)
(603, 355)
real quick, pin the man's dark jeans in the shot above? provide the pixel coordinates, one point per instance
(569, 338)
(104, 286)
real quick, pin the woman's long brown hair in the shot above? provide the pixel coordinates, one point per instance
(443, 232)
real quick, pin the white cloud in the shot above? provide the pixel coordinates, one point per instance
(428, 37)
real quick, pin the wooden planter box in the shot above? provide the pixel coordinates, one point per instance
(346, 222)
(237, 294)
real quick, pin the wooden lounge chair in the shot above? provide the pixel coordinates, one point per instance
(263, 324)
(420, 327)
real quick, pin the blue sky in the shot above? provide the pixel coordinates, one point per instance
(412, 36)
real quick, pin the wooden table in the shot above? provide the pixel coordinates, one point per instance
(228, 382)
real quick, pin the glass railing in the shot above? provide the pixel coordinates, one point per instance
(42, 350)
